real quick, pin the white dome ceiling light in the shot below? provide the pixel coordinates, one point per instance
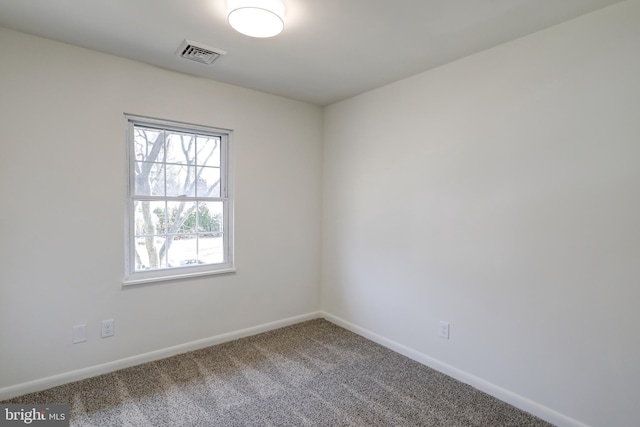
(256, 18)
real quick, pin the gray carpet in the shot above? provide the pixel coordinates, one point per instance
(310, 374)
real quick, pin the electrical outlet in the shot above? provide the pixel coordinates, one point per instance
(443, 329)
(79, 333)
(107, 328)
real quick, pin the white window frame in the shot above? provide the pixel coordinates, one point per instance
(133, 277)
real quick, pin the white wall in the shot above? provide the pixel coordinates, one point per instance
(62, 189)
(501, 193)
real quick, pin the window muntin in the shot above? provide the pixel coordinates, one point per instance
(179, 207)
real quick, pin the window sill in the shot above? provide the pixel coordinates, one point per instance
(159, 277)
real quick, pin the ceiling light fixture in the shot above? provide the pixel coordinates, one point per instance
(256, 18)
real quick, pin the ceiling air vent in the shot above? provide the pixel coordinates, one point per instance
(199, 52)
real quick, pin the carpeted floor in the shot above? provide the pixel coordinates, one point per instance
(310, 374)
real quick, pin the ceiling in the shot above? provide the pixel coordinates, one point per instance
(330, 49)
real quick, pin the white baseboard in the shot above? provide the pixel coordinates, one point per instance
(507, 396)
(92, 371)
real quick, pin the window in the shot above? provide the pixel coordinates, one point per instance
(179, 212)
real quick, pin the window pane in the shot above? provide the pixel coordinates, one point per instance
(148, 253)
(181, 148)
(182, 217)
(208, 150)
(183, 251)
(180, 180)
(149, 217)
(148, 144)
(149, 179)
(211, 248)
(210, 218)
(208, 182)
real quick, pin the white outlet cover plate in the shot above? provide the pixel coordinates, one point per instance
(79, 333)
(107, 328)
(443, 330)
